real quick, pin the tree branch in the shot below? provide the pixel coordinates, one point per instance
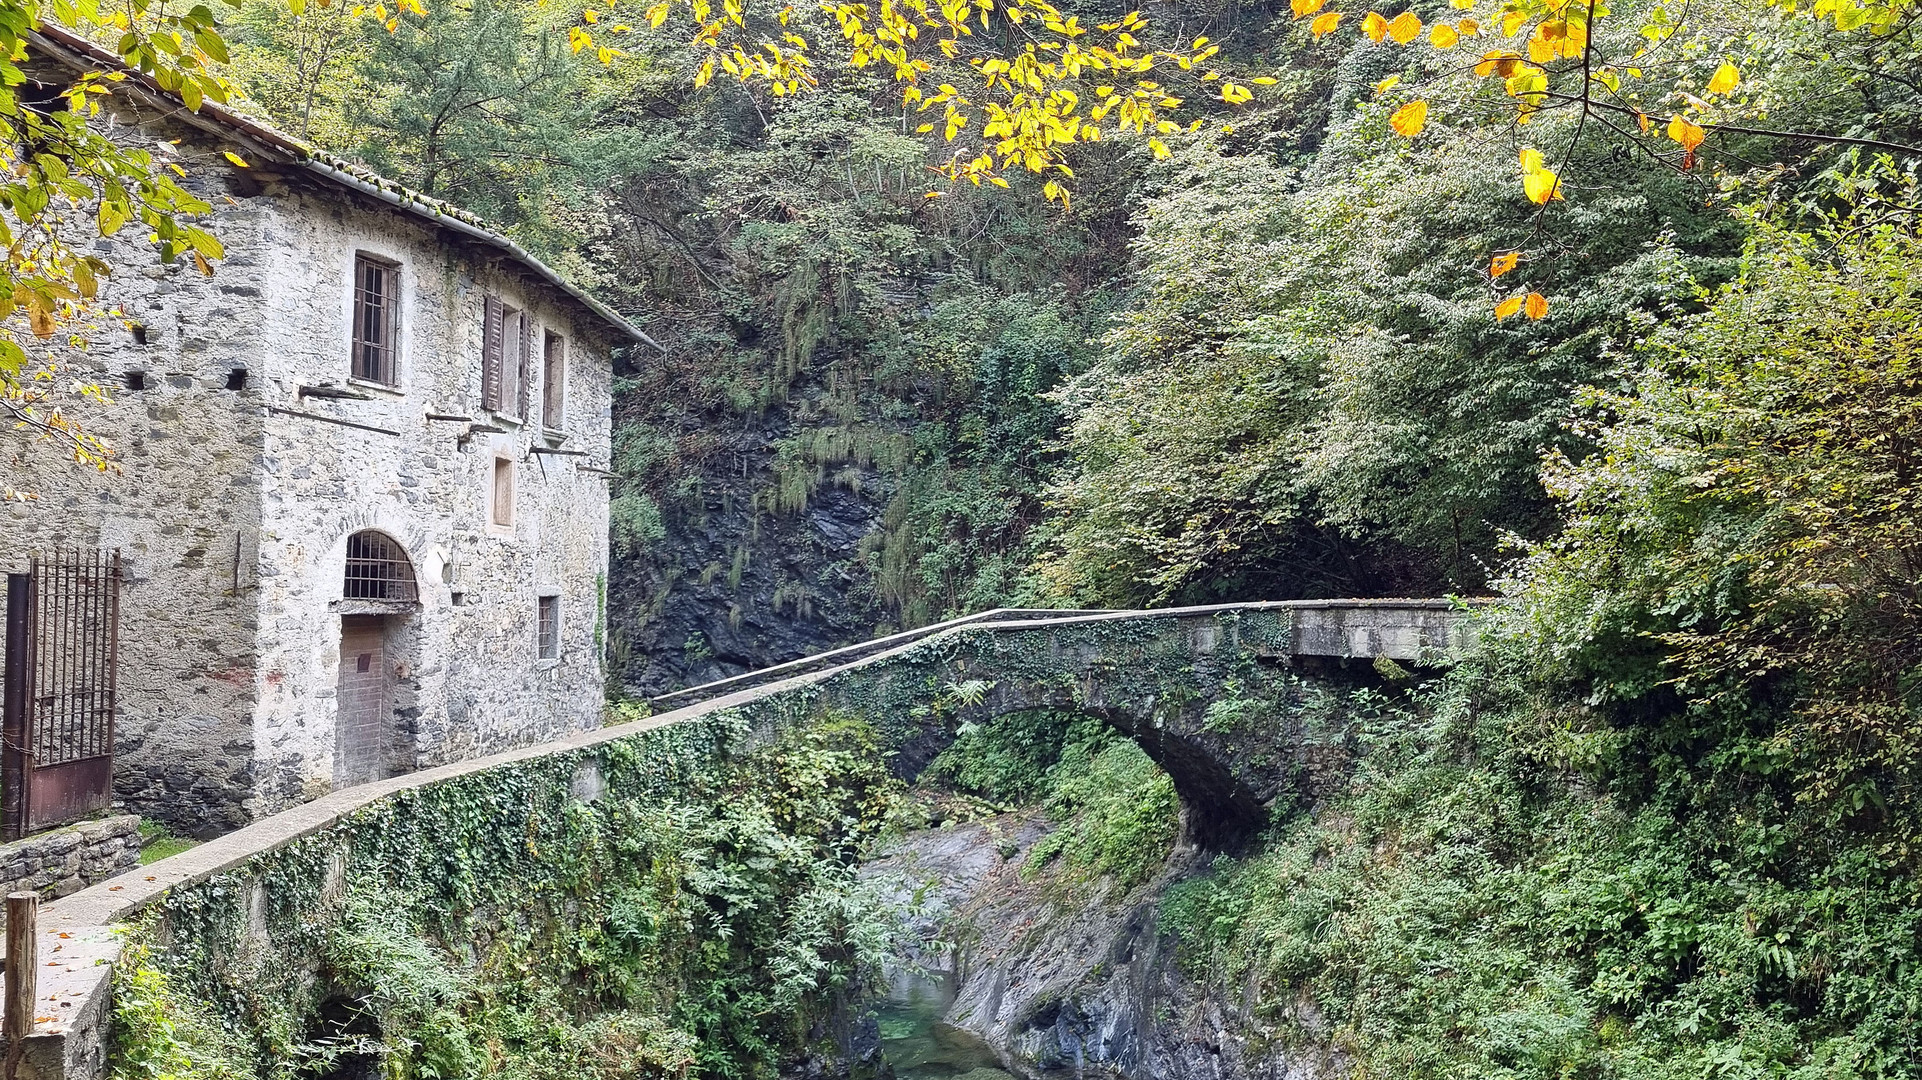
(1739, 129)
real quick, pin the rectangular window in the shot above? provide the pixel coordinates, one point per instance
(376, 320)
(553, 380)
(503, 509)
(507, 336)
(511, 391)
(550, 627)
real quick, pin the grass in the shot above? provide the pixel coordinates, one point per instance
(157, 842)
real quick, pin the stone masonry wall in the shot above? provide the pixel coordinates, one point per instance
(183, 506)
(472, 680)
(64, 861)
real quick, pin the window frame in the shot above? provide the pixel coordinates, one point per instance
(547, 627)
(553, 380)
(496, 519)
(507, 370)
(384, 370)
(513, 365)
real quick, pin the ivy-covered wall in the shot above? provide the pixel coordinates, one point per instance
(1210, 695)
(679, 900)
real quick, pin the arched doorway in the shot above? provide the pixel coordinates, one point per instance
(378, 601)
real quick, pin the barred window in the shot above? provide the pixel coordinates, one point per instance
(377, 569)
(376, 320)
(549, 632)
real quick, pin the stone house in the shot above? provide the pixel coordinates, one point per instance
(363, 513)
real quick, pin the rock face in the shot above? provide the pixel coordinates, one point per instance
(733, 584)
(1059, 978)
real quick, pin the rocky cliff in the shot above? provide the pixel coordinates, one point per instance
(1057, 975)
(731, 580)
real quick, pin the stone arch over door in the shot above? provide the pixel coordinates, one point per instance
(379, 608)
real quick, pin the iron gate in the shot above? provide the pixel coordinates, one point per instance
(63, 647)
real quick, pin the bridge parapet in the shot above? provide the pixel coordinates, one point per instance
(1417, 630)
(1412, 630)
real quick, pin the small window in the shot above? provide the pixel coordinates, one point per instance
(550, 627)
(553, 380)
(506, 344)
(503, 509)
(376, 320)
(377, 569)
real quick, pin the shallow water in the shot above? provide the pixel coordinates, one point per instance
(919, 1046)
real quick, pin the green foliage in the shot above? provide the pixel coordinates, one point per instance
(1745, 542)
(955, 535)
(698, 918)
(1007, 760)
(1461, 909)
(482, 104)
(158, 842)
(157, 1035)
(1309, 396)
(634, 523)
(1116, 812)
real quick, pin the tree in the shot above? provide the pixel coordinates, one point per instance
(1016, 85)
(1746, 537)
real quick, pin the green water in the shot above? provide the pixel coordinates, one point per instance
(919, 1046)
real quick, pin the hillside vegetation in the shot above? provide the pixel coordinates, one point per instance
(1662, 823)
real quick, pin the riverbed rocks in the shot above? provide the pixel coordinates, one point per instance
(1063, 976)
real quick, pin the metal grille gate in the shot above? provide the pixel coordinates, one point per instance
(63, 648)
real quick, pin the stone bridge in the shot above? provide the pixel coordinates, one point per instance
(1236, 702)
(1215, 695)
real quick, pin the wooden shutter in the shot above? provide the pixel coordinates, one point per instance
(491, 353)
(527, 360)
(553, 380)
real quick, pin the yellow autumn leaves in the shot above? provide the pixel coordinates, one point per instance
(1401, 29)
(1539, 182)
(1542, 185)
(1026, 103)
(1324, 23)
(1534, 305)
(1410, 119)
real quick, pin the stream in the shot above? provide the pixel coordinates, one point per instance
(918, 1045)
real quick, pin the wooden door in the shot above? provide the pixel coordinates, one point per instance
(363, 732)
